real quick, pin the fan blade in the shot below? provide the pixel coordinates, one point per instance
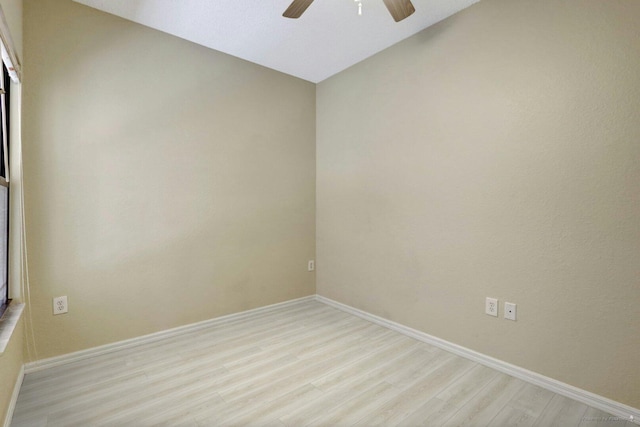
(399, 9)
(297, 8)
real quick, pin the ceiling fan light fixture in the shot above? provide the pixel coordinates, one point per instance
(399, 9)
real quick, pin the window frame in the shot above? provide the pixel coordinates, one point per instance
(5, 90)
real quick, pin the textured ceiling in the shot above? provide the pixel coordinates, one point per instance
(328, 38)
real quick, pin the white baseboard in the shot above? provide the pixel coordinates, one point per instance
(14, 398)
(145, 339)
(563, 389)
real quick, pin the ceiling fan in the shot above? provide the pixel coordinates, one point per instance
(399, 9)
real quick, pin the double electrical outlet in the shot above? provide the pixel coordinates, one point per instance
(60, 305)
(492, 306)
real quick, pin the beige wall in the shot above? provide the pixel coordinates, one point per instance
(495, 154)
(165, 183)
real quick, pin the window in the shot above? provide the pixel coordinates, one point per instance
(4, 190)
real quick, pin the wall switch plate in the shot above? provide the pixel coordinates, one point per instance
(60, 305)
(491, 307)
(311, 265)
(509, 311)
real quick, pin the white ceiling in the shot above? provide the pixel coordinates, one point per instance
(328, 38)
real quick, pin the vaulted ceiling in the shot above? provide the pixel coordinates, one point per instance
(327, 39)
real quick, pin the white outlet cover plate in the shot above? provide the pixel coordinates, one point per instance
(60, 305)
(509, 311)
(491, 307)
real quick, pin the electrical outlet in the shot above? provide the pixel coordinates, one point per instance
(311, 265)
(509, 311)
(60, 305)
(491, 307)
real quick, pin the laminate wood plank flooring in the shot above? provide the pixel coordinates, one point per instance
(303, 364)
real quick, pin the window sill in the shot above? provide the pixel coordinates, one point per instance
(8, 323)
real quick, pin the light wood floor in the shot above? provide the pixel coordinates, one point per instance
(304, 364)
